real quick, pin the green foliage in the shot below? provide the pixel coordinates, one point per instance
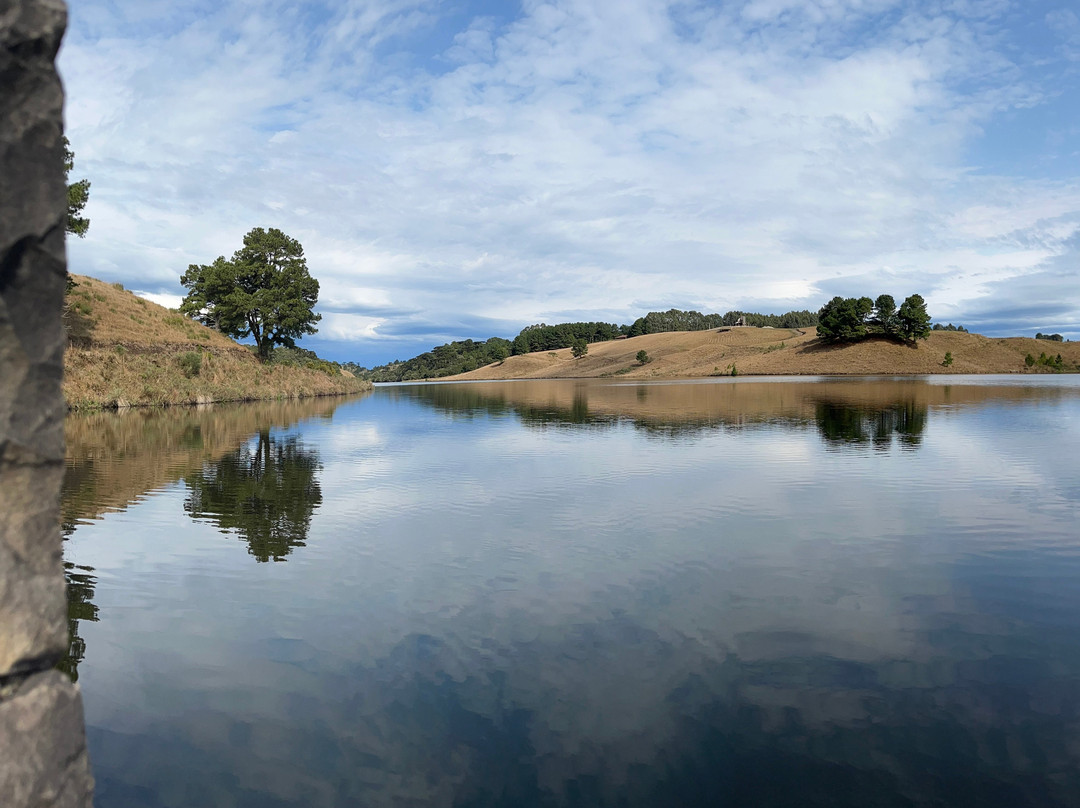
(1050, 337)
(543, 337)
(266, 493)
(303, 358)
(842, 319)
(579, 348)
(658, 322)
(1046, 363)
(791, 319)
(948, 360)
(264, 291)
(78, 194)
(914, 321)
(190, 363)
(949, 327)
(643, 357)
(885, 314)
(849, 319)
(444, 360)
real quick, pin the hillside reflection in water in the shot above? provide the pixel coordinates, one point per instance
(841, 593)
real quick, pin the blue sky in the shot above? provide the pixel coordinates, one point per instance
(463, 169)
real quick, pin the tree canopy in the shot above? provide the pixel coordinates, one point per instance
(443, 360)
(265, 291)
(78, 194)
(848, 318)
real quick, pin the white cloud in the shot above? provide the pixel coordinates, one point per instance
(584, 156)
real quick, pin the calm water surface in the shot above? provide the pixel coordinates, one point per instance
(731, 592)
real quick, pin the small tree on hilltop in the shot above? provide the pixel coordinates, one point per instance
(885, 313)
(913, 322)
(264, 291)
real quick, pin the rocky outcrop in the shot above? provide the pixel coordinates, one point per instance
(43, 758)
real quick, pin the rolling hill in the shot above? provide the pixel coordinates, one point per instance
(127, 351)
(779, 351)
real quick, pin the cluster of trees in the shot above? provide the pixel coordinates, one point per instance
(1050, 337)
(790, 319)
(445, 360)
(1054, 364)
(851, 318)
(658, 322)
(949, 327)
(544, 337)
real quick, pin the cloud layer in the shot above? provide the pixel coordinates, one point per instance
(456, 173)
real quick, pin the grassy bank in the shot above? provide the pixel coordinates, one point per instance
(782, 351)
(126, 351)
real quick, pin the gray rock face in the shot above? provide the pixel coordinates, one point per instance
(42, 742)
(43, 725)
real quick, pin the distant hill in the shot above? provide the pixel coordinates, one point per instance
(783, 351)
(124, 350)
(461, 357)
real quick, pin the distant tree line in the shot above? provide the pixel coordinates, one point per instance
(658, 322)
(848, 319)
(543, 337)
(445, 360)
(949, 327)
(1050, 337)
(463, 356)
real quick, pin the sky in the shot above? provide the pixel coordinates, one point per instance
(463, 169)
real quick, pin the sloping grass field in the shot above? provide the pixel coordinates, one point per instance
(127, 351)
(781, 351)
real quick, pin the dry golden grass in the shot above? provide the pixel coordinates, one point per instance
(123, 350)
(779, 351)
(160, 446)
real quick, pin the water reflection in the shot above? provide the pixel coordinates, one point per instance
(844, 412)
(115, 459)
(266, 492)
(845, 424)
(544, 596)
(80, 590)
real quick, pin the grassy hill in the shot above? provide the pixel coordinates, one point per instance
(123, 350)
(780, 351)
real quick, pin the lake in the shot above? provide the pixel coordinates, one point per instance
(746, 592)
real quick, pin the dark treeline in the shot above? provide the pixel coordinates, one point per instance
(445, 360)
(461, 357)
(543, 337)
(1050, 337)
(657, 322)
(949, 327)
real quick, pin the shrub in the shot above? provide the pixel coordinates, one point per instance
(643, 357)
(190, 363)
(948, 360)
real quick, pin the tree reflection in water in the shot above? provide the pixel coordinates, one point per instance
(80, 589)
(845, 424)
(266, 492)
